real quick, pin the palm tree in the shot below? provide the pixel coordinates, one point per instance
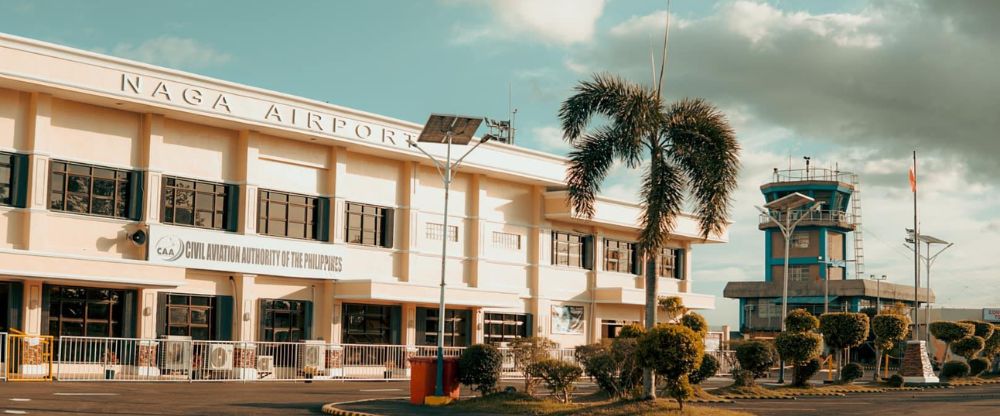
(686, 147)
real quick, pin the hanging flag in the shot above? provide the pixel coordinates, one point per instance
(913, 179)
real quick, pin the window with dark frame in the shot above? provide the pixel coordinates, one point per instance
(670, 263)
(191, 315)
(86, 189)
(195, 203)
(567, 249)
(285, 214)
(509, 241)
(618, 256)
(367, 324)
(455, 327)
(6, 178)
(504, 327)
(82, 311)
(283, 320)
(366, 225)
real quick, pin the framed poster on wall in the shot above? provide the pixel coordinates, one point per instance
(567, 319)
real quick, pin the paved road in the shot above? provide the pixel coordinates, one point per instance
(974, 400)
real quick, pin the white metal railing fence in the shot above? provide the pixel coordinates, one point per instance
(726, 359)
(77, 358)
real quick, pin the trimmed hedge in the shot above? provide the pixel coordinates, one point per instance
(844, 329)
(805, 371)
(978, 365)
(981, 329)
(558, 376)
(968, 347)
(798, 347)
(951, 331)
(954, 369)
(709, 366)
(696, 322)
(991, 347)
(479, 368)
(671, 350)
(755, 357)
(851, 372)
(800, 320)
(896, 380)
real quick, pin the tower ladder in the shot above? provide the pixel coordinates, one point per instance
(859, 238)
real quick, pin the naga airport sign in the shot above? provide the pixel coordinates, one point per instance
(991, 314)
(215, 250)
(309, 120)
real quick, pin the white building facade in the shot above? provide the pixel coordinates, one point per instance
(270, 217)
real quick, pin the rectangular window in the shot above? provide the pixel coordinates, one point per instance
(190, 315)
(85, 311)
(367, 324)
(283, 320)
(618, 256)
(567, 249)
(504, 327)
(509, 241)
(800, 239)
(370, 225)
(284, 214)
(195, 203)
(798, 273)
(670, 263)
(435, 231)
(6, 179)
(87, 189)
(456, 327)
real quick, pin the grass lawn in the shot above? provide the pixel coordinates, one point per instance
(596, 406)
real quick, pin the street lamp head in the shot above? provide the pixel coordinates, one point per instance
(789, 202)
(440, 126)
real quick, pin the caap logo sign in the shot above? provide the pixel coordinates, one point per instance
(170, 248)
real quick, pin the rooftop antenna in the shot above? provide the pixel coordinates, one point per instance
(807, 158)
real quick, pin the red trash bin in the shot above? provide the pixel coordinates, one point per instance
(423, 376)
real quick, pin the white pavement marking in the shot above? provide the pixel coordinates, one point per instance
(15, 412)
(85, 394)
(15, 399)
(373, 390)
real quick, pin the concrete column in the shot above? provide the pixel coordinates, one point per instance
(326, 323)
(478, 335)
(474, 241)
(538, 307)
(409, 324)
(684, 286)
(594, 326)
(407, 173)
(151, 140)
(246, 171)
(33, 307)
(338, 166)
(246, 308)
(38, 131)
(147, 307)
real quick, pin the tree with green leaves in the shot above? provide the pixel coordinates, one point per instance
(842, 330)
(799, 343)
(527, 351)
(674, 352)
(949, 332)
(889, 330)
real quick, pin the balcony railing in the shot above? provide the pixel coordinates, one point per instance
(812, 174)
(838, 217)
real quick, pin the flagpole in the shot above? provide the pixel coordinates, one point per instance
(916, 253)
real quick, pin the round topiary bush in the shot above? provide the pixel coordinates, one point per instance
(844, 329)
(992, 345)
(696, 322)
(978, 365)
(479, 368)
(631, 331)
(805, 371)
(800, 320)
(755, 358)
(980, 329)
(968, 347)
(951, 331)
(954, 369)
(798, 347)
(851, 372)
(709, 366)
(896, 380)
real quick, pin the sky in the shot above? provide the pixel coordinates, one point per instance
(855, 84)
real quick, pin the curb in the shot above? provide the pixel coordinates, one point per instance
(758, 397)
(704, 401)
(330, 409)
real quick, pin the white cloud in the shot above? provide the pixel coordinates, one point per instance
(173, 52)
(760, 21)
(550, 138)
(560, 22)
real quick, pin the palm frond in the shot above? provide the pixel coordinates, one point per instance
(662, 197)
(593, 156)
(703, 144)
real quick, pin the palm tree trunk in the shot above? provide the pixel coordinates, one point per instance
(648, 385)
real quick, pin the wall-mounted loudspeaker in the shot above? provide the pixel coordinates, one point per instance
(138, 237)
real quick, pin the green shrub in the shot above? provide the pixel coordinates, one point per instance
(558, 375)
(800, 320)
(802, 373)
(991, 348)
(889, 329)
(631, 331)
(978, 365)
(844, 329)
(673, 306)
(980, 329)
(798, 347)
(672, 351)
(614, 367)
(479, 368)
(527, 351)
(851, 372)
(696, 322)
(951, 331)
(954, 369)
(896, 381)
(709, 366)
(755, 358)
(968, 347)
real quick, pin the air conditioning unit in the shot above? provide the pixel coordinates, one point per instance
(220, 357)
(314, 355)
(265, 363)
(177, 353)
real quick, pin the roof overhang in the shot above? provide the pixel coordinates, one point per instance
(374, 290)
(628, 296)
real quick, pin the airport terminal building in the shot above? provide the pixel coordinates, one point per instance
(274, 218)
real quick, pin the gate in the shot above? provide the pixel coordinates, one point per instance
(28, 357)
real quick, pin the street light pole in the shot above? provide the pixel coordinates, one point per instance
(447, 130)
